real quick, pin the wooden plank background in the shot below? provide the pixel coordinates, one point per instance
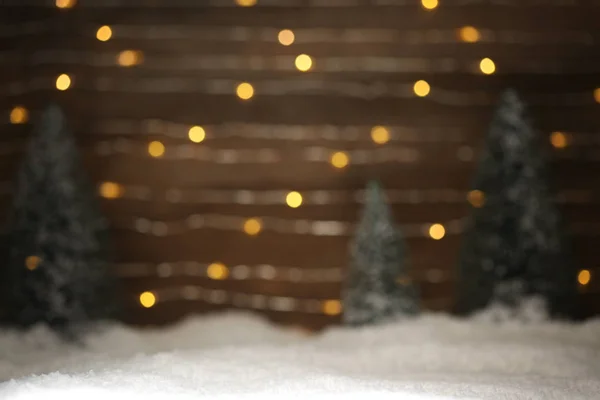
(367, 55)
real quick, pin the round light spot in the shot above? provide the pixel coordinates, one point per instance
(252, 226)
(476, 198)
(421, 88)
(332, 307)
(244, 91)
(469, 34)
(65, 3)
(245, 3)
(129, 58)
(19, 115)
(197, 134)
(104, 33)
(147, 299)
(437, 231)
(487, 66)
(32, 262)
(380, 134)
(293, 199)
(303, 62)
(597, 95)
(217, 271)
(429, 4)
(110, 190)
(339, 159)
(286, 37)
(63, 82)
(558, 140)
(584, 277)
(156, 149)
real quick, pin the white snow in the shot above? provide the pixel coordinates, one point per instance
(240, 356)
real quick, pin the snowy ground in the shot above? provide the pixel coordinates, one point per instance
(239, 356)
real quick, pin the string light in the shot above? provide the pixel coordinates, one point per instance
(147, 299)
(293, 199)
(32, 262)
(421, 88)
(286, 37)
(110, 190)
(197, 134)
(487, 66)
(558, 140)
(339, 159)
(129, 58)
(244, 91)
(429, 4)
(217, 271)
(437, 231)
(104, 33)
(584, 277)
(63, 82)
(19, 115)
(476, 198)
(156, 149)
(245, 3)
(332, 307)
(469, 34)
(597, 95)
(65, 3)
(380, 134)
(252, 226)
(303, 62)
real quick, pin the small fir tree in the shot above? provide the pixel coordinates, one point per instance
(377, 286)
(515, 247)
(56, 255)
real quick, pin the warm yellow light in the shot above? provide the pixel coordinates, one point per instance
(380, 134)
(429, 4)
(197, 134)
(286, 37)
(63, 82)
(252, 226)
(129, 58)
(245, 3)
(476, 198)
(339, 159)
(19, 115)
(487, 66)
(110, 190)
(469, 34)
(421, 88)
(332, 307)
(437, 231)
(147, 299)
(244, 91)
(104, 33)
(597, 95)
(584, 277)
(558, 140)
(156, 149)
(217, 271)
(293, 199)
(65, 3)
(304, 62)
(32, 262)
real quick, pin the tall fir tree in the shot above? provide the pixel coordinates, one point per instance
(377, 286)
(57, 248)
(515, 246)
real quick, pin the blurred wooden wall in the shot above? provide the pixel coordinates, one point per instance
(367, 55)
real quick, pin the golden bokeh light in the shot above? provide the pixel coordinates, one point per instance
(63, 82)
(332, 307)
(104, 33)
(244, 91)
(197, 134)
(437, 231)
(110, 190)
(65, 3)
(339, 159)
(32, 262)
(584, 277)
(476, 198)
(147, 299)
(303, 62)
(469, 34)
(217, 271)
(252, 226)
(19, 115)
(380, 134)
(245, 3)
(129, 58)
(421, 88)
(286, 37)
(156, 149)
(597, 95)
(293, 199)
(487, 66)
(430, 4)
(558, 140)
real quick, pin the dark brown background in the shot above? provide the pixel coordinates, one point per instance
(549, 51)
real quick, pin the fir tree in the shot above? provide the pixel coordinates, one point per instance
(515, 247)
(377, 287)
(56, 256)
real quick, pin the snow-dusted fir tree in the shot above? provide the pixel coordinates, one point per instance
(515, 246)
(55, 268)
(377, 287)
